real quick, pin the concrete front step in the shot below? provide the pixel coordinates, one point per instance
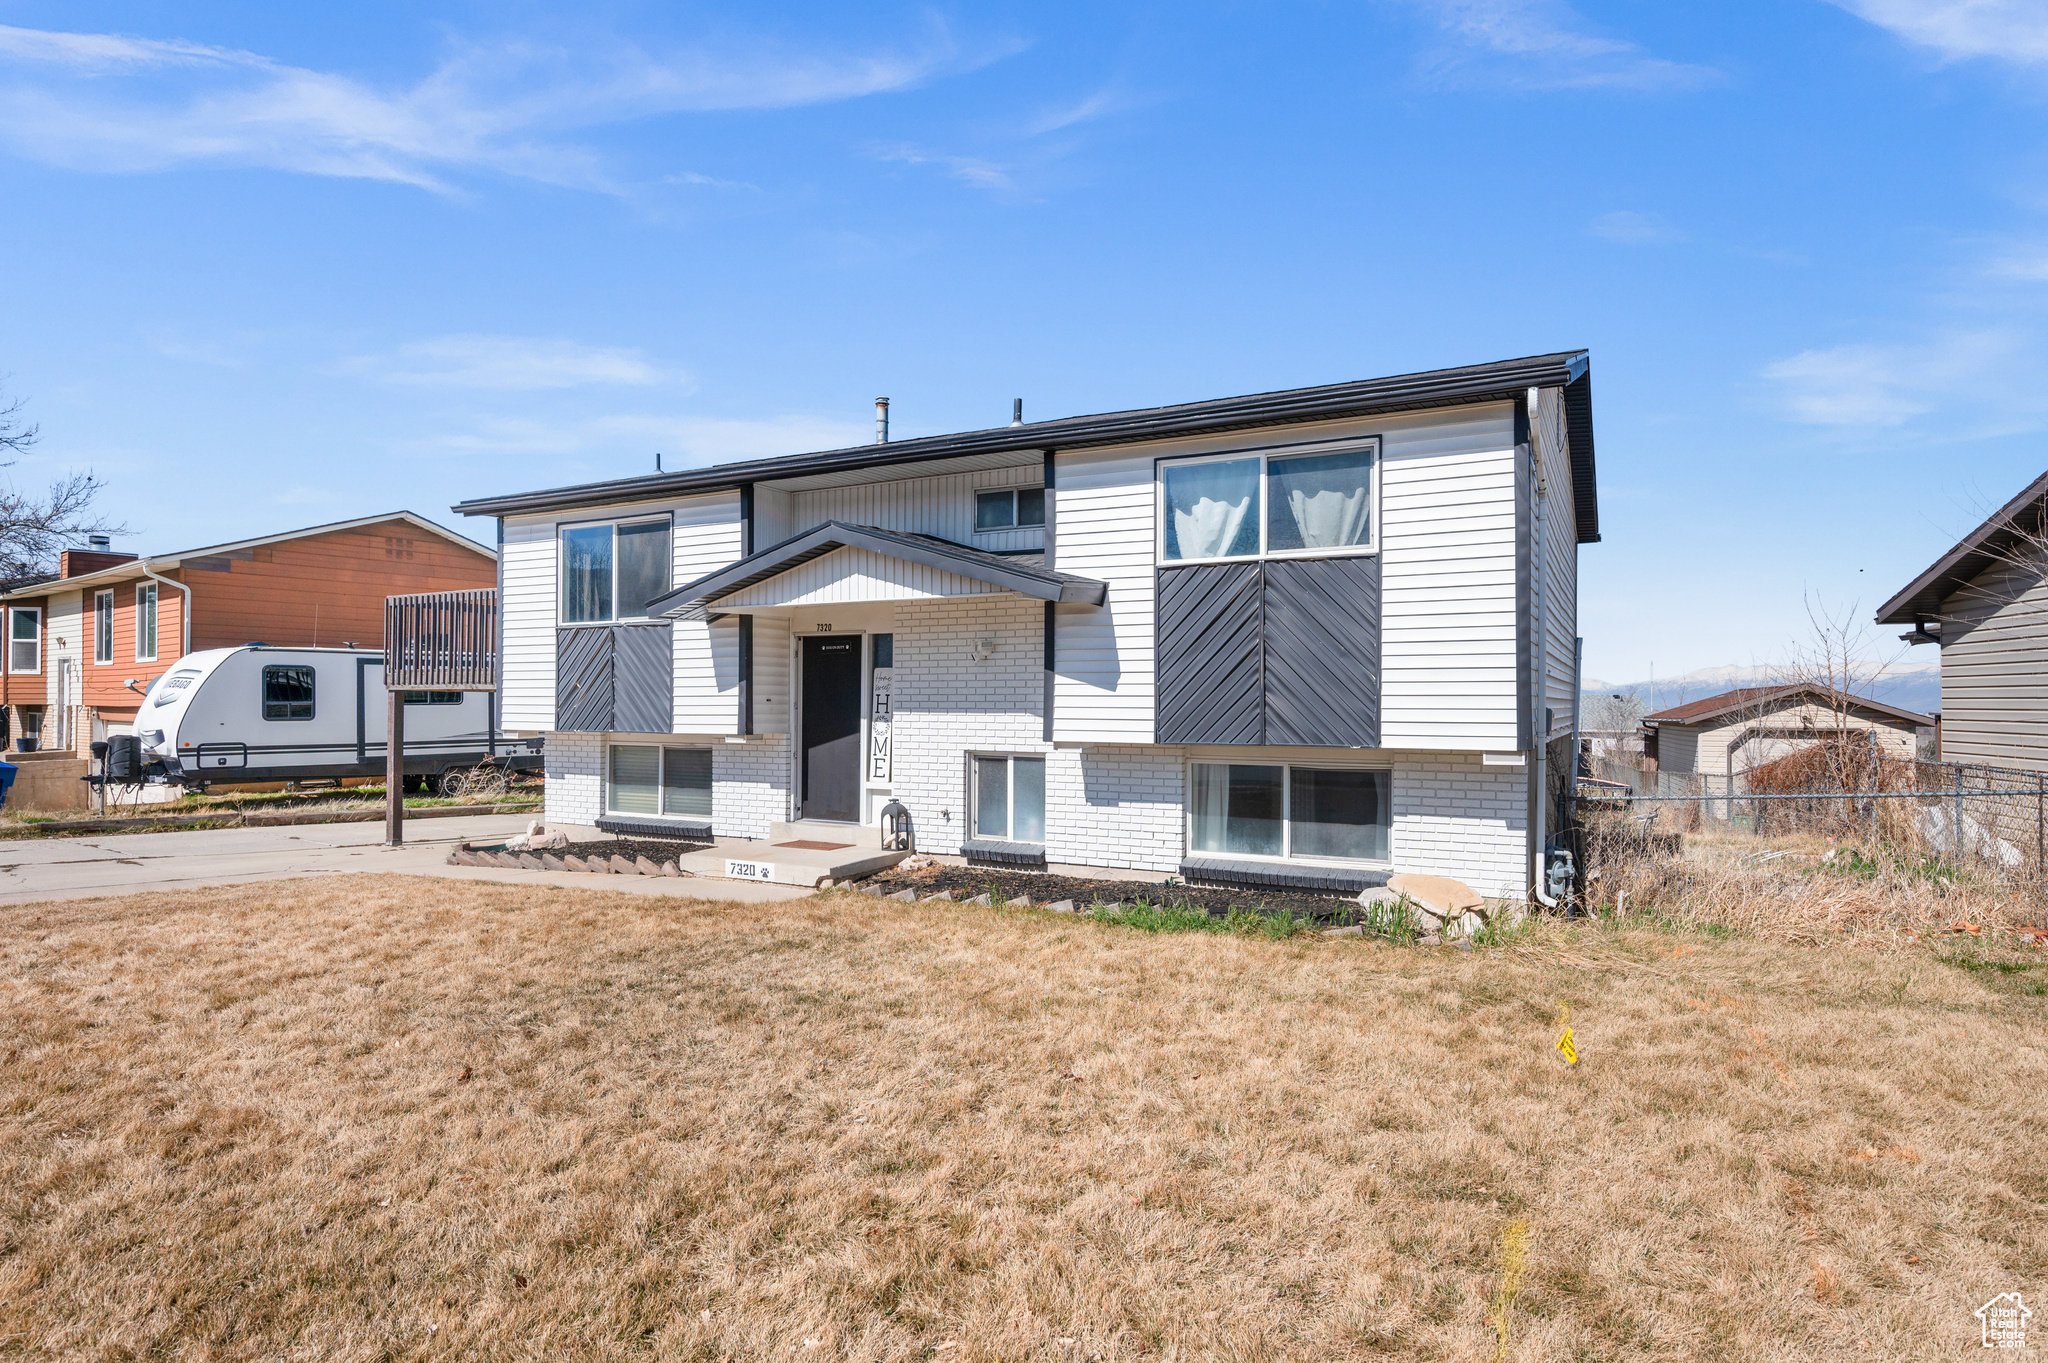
(817, 830)
(769, 864)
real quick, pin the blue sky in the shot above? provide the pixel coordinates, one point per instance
(266, 267)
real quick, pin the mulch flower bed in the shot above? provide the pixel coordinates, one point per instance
(967, 881)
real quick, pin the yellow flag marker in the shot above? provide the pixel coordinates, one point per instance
(1565, 1047)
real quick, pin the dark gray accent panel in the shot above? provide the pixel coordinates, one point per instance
(1234, 874)
(643, 680)
(1211, 684)
(1578, 422)
(1323, 652)
(583, 680)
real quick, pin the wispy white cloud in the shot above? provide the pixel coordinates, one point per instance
(2010, 30)
(1634, 229)
(968, 170)
(632, 439)
(106, 102)
(512, 363)
(1889, 385)
(1087, 109)
(1545, 45)
(2025, 265)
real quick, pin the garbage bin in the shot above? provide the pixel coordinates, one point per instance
(8, 771)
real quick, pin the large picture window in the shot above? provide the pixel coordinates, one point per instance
(650, 779)
(25, 639)
(611, 571)
(1009, 798)
(288, 692)
(1300, 503)
(1261, 810)
(145, 623)
(103, 627)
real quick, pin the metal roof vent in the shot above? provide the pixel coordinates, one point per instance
(101, 543)
(881, 421)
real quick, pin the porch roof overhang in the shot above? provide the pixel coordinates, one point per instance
(723, 591)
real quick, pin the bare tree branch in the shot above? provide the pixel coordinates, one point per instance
(33, 529)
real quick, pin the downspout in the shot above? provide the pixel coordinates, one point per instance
(1539, 729)
(184, 613)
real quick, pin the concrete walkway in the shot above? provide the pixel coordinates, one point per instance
(134, 863)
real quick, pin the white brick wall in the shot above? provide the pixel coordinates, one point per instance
(575, 769)
(1454, 816)
(1115, 805)
(750, 786)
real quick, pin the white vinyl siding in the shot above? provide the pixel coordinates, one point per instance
(851, 575)
(1102, 505)
(941, 505)
(526, 683)
(708, 534)
(772, 649)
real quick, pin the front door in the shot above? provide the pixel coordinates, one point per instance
(831, 729)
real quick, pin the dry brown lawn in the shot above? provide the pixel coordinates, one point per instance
(392, 1118)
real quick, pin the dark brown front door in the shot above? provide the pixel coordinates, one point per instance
(831, 728)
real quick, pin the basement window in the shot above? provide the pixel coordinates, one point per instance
(1009, 799)
(1258, 810)
(646, 778)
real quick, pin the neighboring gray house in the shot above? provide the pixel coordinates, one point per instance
(1308, 637)
(1740, 730)
(1985, 602)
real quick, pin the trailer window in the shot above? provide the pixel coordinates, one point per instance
(288, 692)
(433, 698)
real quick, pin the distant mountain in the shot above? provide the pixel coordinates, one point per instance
(1912, 683)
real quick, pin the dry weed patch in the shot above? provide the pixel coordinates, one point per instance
(390, 1118)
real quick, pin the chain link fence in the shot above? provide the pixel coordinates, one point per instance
(1991, 820)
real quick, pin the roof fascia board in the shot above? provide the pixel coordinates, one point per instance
(1499, 381)
(1908, 606)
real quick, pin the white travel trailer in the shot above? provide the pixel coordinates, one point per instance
(259, 714)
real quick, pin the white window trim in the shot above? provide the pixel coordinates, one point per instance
(1009, 760)
(1265, 454)
(562, 566)
(37, 670)
(660, 780)
(98, 637)
(1013, 526)
(1286, 857)
(148, 589)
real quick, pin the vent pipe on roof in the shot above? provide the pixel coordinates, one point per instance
(881, 421)
(1016, 411)
(100, 543)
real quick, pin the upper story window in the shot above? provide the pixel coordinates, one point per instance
(25, 639)
(610, 571)
(145, 623)
(1283, 503)
(1010, 509)
(103, 627)
(288, 692)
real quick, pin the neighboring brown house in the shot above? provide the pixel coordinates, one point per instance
(1745, 728)
(82, 647)
(1985, 602)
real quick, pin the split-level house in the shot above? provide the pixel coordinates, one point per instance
(84, 645)
(1985, 603)
(1308, 637)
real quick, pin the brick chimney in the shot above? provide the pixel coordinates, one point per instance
(79, 562)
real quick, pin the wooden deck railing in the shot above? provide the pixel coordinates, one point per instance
(441, 641)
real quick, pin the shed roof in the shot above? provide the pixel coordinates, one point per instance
(1500, 380)
(1748, 697)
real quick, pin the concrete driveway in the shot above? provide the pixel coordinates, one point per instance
(131, 863)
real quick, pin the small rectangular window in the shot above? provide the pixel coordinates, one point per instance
(1031, 506)
(686, 782)
(288, 691)
(1212, 509)
(103, 627)
(995, 510)
(1319, 501)
(636, 779)
(145, 622)
(433, 698)
(884, 649)
(25, 639)
(1009, 798)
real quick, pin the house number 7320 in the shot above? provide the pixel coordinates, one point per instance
(823, 629)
